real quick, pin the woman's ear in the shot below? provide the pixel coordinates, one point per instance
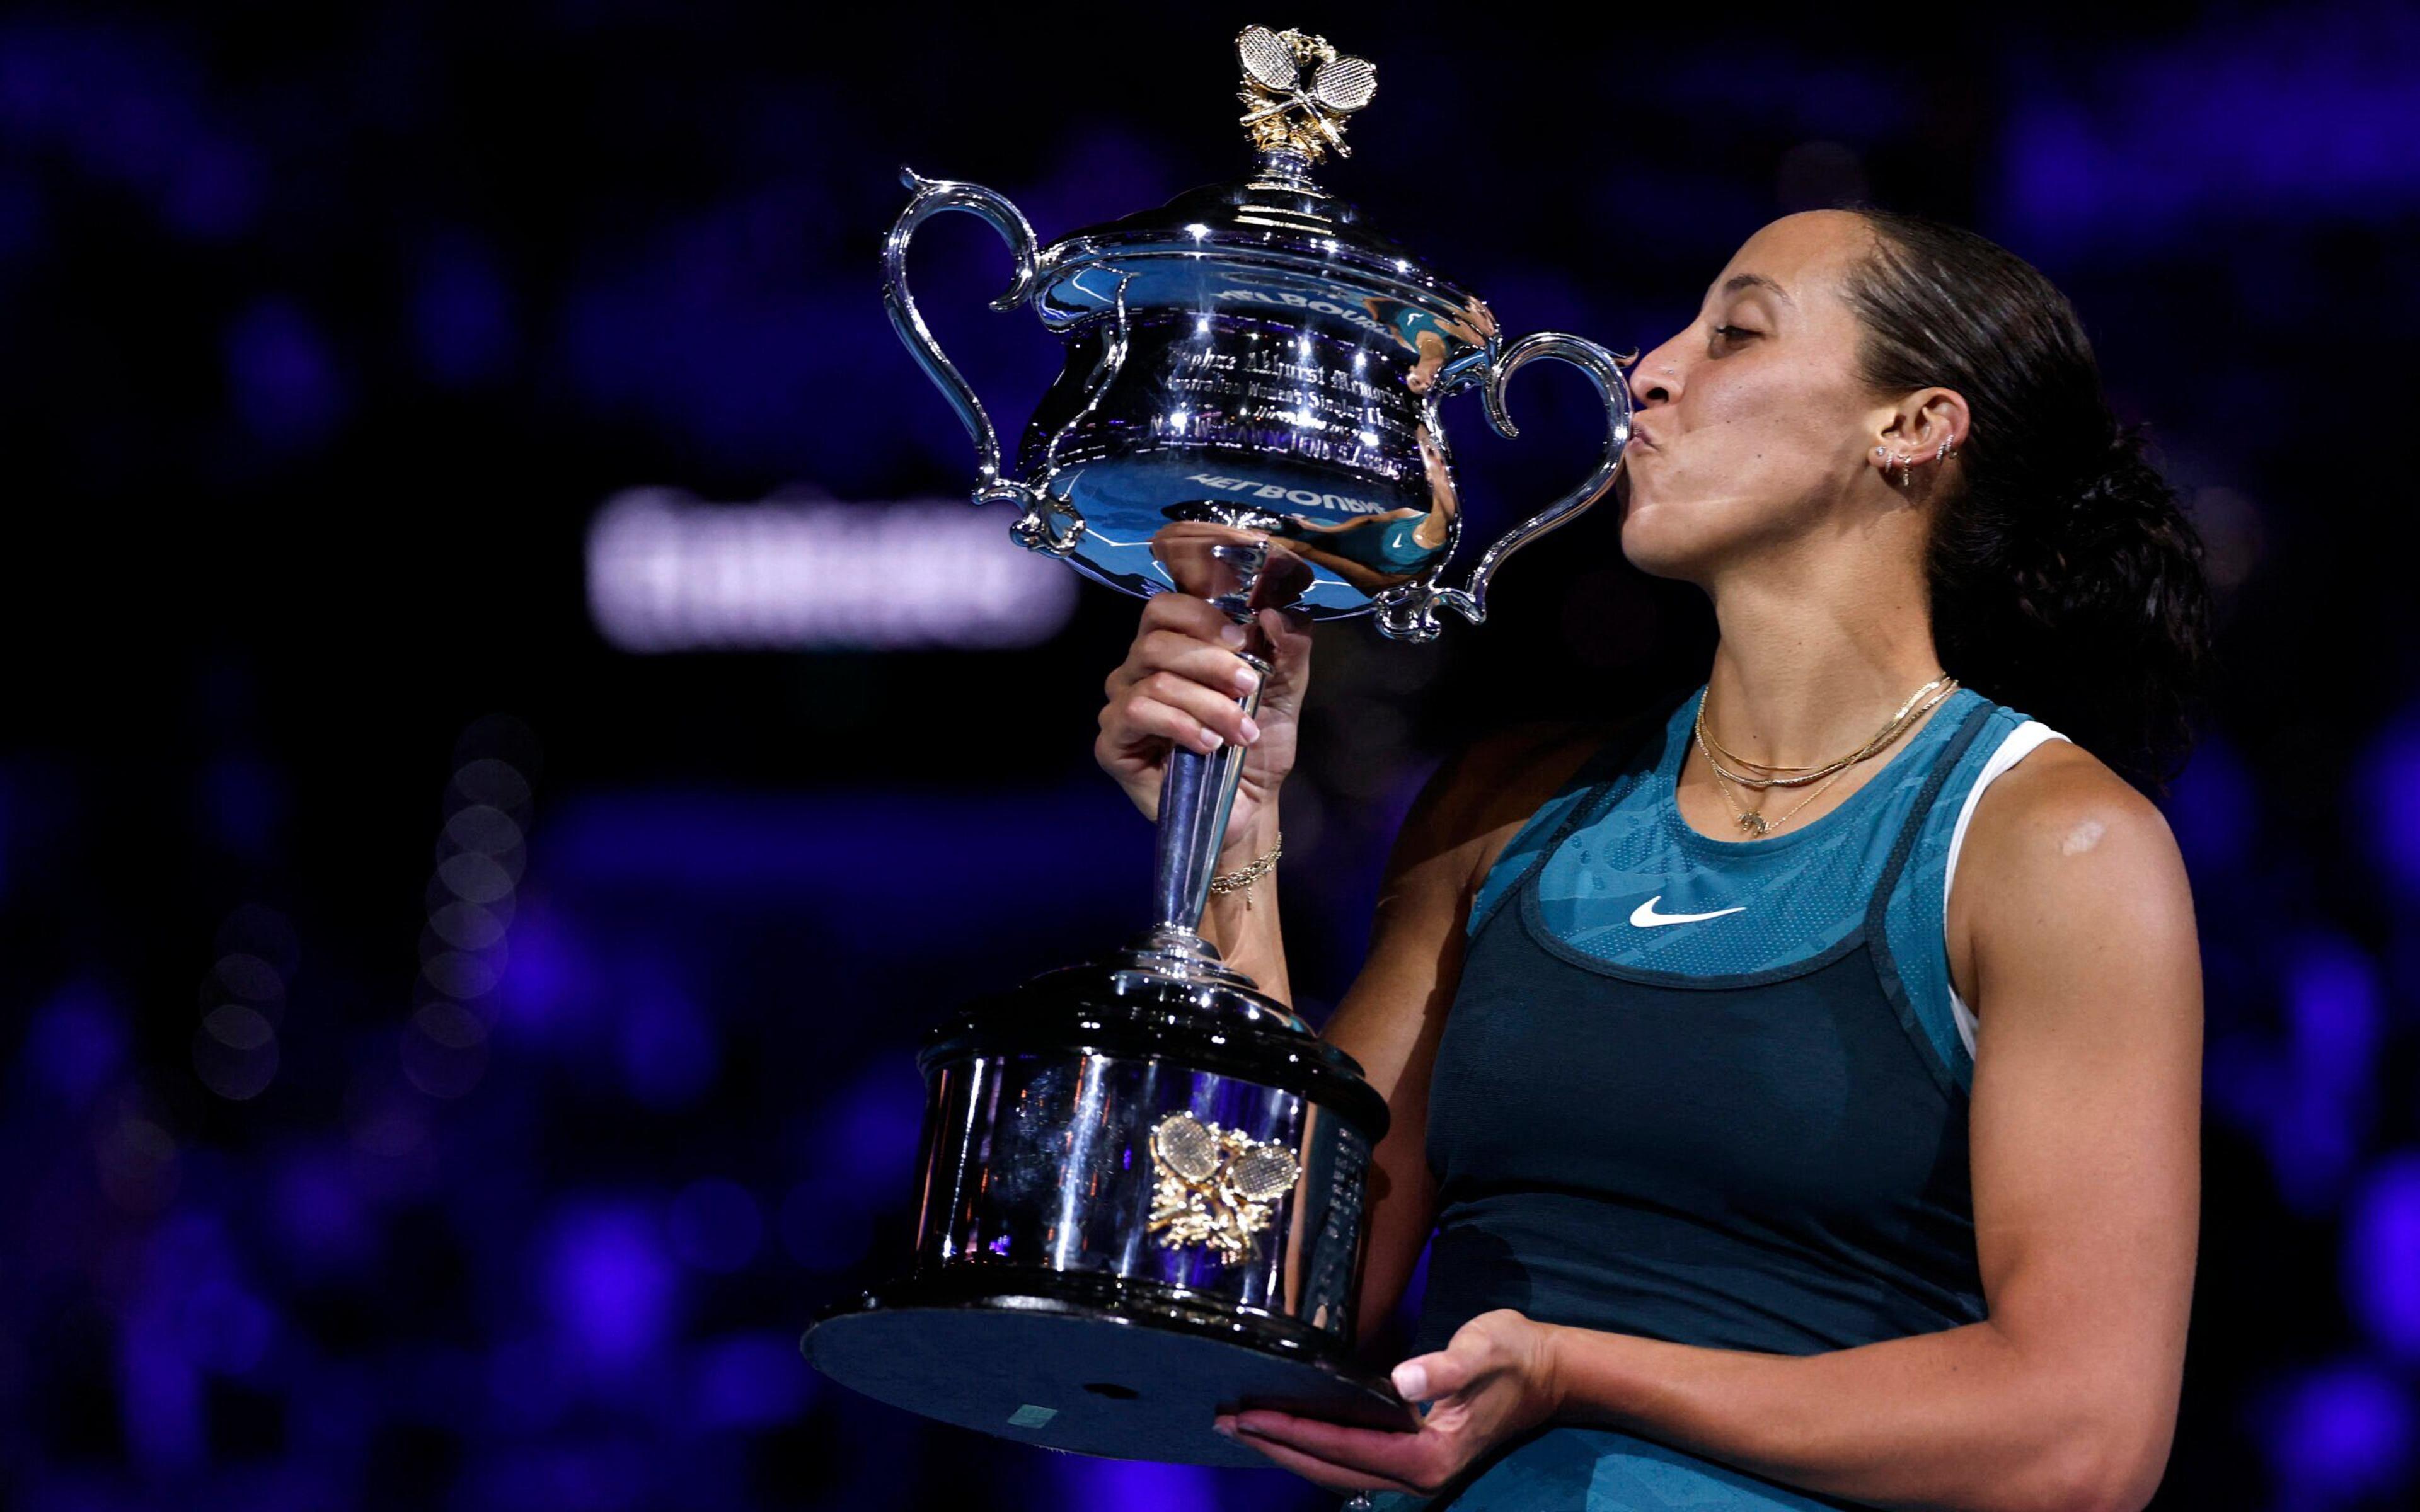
(1932, 425)
(1919, 432)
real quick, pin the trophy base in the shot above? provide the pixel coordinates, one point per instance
(1089, 1364)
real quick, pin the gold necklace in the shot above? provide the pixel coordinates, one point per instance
(1907, 714)
(1754, 821)
(1735, 759)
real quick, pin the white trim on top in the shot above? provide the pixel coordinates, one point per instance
(2015, 746)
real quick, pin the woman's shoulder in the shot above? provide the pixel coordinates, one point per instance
(2059, 817)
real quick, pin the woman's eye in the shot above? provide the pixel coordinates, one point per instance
(1730, 332)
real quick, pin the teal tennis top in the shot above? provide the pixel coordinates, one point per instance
(1709, 1091)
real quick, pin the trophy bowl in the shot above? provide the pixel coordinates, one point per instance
(1141, 1181)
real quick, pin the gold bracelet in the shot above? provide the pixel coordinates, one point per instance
(1244, 876)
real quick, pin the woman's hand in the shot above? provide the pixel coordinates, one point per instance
(1181, 682)
(1494, 1380)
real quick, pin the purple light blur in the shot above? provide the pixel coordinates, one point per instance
(224, 1328)
(592, 1476)
(2156, 140)
(526, 1384)
(667, 1046)
(875, 1130)
(75, 1043)
(2393, 758)
(750, 1381)
(858, 857)
(2382, 1258)
(282, 376)
(462, 312)
(610, 1287)
(160, 1397)
(2334, 1023)
(666, 573)
(1087, 1482)
(2211, 806)
(320, 1218)
(548, 980)
(214, 191)
(2341, 1431)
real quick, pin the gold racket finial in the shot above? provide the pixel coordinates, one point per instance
(1297, 91)
(1217, 1189)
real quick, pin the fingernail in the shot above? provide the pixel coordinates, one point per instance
(1222, 1425)
(1232, 635)
(1411, 1383)
(1212, 740)
(1251, 731)
(1246, 680)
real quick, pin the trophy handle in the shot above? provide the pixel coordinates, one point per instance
(1410, 612)
(936, 196)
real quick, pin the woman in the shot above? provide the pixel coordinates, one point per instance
(1375, 553)
(1802, 1082)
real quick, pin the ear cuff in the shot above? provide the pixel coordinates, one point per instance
(1906, 464)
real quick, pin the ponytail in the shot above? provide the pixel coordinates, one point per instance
(2066, 581)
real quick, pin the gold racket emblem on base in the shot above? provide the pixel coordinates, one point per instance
(1217, 1187)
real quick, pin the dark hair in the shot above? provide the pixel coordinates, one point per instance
(2066, 582)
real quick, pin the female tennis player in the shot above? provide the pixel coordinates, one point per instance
(1801, 1082)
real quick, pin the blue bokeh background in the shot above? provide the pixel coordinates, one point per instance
(327, 330)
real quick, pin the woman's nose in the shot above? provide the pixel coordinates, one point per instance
(1656, 378)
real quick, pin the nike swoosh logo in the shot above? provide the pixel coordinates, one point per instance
(1645, 916)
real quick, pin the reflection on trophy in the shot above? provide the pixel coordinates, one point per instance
(1142, 1179)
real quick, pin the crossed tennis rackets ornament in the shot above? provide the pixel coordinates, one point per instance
(1217, 1187)
(1298, 90)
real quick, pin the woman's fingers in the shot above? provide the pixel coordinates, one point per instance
(1195, 616)
(1210, 707)
(1288, 637)
(1173, 651)
(1170, 707)
(1323, 1472)
(1182, 678)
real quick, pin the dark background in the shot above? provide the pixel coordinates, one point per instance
(329, 331)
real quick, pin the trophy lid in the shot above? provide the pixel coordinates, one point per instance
(1297, 91)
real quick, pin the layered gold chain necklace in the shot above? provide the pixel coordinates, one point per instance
(1752, 820)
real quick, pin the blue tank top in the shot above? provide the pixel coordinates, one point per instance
(1708, 1091)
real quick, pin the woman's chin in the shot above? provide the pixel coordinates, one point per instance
(1655, 541)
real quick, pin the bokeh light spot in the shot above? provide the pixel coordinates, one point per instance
(466, 926)
(2383, 1256)
(474, 878)
(2339, 1431)
(235, 1052)
(609, 1286)
(483, 828)
(492, 781)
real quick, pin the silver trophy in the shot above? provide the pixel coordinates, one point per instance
(1142, 1179)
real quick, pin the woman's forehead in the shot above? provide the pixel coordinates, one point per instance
(1795, 256)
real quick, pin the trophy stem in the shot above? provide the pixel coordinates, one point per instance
(1197, 793)
(1284, 167)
